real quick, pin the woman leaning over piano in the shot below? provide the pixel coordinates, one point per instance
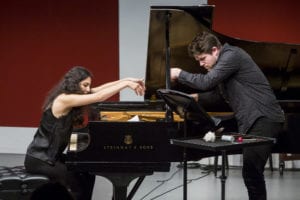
(64, 109)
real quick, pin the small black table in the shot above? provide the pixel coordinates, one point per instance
(219, 146)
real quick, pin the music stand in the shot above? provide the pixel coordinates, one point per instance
(187, 108)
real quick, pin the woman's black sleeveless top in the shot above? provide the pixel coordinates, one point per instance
(51, 138)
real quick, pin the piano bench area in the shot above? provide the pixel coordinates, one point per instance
(16, 184)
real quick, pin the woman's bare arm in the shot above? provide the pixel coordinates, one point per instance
(65, 102)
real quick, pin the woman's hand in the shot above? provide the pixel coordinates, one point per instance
(137, 80)
(137, 85)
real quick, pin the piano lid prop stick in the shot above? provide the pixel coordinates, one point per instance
(169, 114)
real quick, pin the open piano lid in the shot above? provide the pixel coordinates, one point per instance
(279, 62)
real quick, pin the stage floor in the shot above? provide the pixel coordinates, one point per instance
(203, 185)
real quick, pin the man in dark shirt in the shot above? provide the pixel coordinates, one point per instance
(233, 73)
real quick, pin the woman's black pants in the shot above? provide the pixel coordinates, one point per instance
(80, 184)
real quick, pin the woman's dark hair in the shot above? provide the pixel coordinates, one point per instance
(203, 43)
(69, 84)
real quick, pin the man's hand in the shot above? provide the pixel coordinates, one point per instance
(195, 96)
(174, 73)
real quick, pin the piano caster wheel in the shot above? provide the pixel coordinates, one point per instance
(281, 167)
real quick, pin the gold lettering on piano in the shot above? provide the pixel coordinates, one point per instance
(128, 147)
(146, 147)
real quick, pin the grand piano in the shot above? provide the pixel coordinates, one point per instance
(122, 149)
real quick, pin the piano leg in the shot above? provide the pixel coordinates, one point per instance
(121, 181)
(135, 187)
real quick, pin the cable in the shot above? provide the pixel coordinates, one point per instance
(161, 183)
(206, 173)
(174, 188)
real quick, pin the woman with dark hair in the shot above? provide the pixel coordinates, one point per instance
(64, 109)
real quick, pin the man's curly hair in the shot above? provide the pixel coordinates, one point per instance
(203, 43)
